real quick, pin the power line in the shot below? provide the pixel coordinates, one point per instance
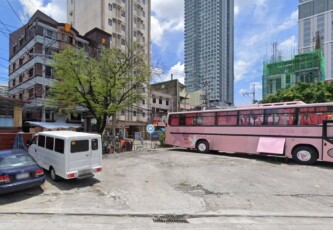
(14, 12)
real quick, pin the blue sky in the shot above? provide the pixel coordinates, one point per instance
(258, 23)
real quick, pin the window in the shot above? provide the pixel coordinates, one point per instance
(143, 2)
(143, 102)
(110, 6)
(20, 61)
(154, 100)
(123, 41)
(122, 112)
(31, 53)
(14, 82)
(14, 48)
(14, 66)
(134, 33)
(48, 71)
(94, 144)
(167, 102)
(143, 114)
(31, 93)
(21, 41)
(134, 113)
(123, 14)
(49, 143)
(21, 96)
(79, 146)
(31, 72)
(143, 13)
(20, 78)
(143, 26)
(59, 145)
(124, 1)
(143, 39)
(110, 22)
(122, 27)
(160, 101)
(41, 141)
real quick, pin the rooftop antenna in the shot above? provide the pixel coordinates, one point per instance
(253, 93)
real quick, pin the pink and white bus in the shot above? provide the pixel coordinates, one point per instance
(295, 130)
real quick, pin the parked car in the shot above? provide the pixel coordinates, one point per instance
(18, 171)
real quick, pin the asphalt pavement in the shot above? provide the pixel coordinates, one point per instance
(179, 189)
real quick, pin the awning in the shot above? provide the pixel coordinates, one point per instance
(54, 125)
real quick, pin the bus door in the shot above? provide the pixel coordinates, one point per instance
(328, 141)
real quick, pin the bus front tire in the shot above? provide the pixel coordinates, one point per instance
(305, 155)
(53, 174)
(203, 146)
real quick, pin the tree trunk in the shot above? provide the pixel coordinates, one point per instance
(114, 130)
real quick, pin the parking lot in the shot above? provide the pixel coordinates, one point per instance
(208, 191)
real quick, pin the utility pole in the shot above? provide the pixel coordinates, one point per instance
(253, 93)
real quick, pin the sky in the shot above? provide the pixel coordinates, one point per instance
(258, 24)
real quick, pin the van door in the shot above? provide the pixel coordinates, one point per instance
(79, 155)
(33, 147)
(96, 152)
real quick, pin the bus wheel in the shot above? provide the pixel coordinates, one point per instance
(203, 146)
(305, 155)
(53, 174)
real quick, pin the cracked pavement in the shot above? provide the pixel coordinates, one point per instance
(184, 183)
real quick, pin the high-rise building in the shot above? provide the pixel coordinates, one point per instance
(209, 49)
(315, 18)
(128, 22)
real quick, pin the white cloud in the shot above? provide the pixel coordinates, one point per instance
(156, 31)
(57, 9)
(177, 72)
(254, 45)
(167, 16)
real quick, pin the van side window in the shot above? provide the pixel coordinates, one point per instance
(41, 140)
(49, 143)
(94, 144)
(59, 145)
(79, 146)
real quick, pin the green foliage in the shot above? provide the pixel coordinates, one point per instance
(306, 92)
(104, 84)
(161, 136)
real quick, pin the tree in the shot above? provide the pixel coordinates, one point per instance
(306, 92)
(104, 84)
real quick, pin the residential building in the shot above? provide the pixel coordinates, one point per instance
(178, 99)
(10, 112)
(128, 22)
(31, 49)
(305, 67)
(3, 91)
(316, 16)
(209, 49)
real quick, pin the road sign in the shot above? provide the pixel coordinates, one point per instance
(150, 128)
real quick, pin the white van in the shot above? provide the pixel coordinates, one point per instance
(67, 154)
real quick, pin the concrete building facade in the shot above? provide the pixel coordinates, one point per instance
(31, 49)
(209, 49)
(316, 16)
(128, 22)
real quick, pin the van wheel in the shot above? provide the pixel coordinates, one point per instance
(305, 155)
(203, 146)
(53, 174)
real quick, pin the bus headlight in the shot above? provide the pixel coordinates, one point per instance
(330, 153)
